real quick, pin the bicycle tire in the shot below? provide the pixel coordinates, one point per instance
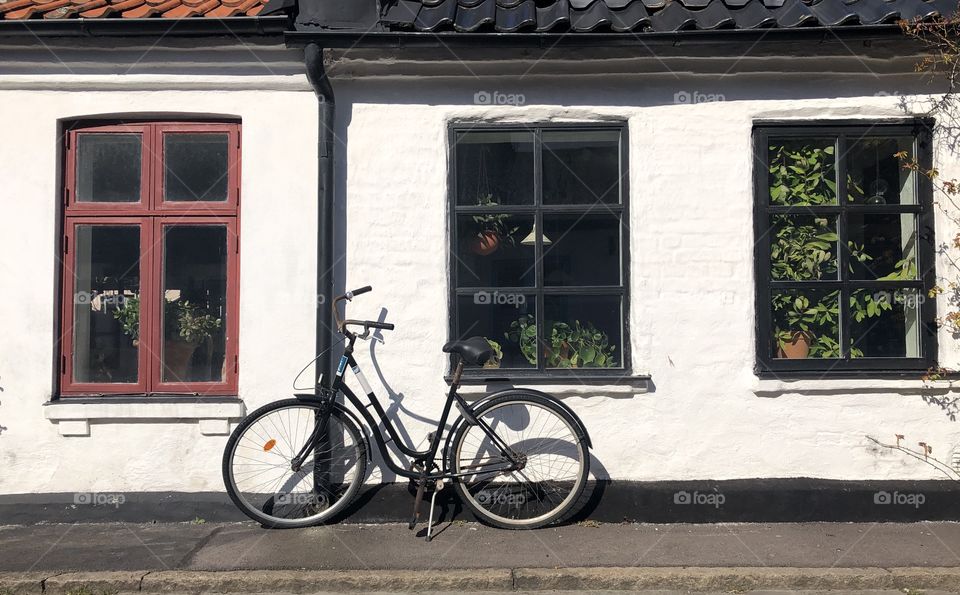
(338, 417)
(473, 497)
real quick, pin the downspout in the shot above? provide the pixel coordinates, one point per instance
(317, 75)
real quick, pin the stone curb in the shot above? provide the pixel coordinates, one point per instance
(440, 579)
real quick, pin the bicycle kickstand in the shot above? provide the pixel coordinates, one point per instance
(433, 502)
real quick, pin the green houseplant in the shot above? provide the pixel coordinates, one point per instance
(491, 228)
(570, 346)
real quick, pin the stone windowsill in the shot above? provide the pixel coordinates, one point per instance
(73, 415)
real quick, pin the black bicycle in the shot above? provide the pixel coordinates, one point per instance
(518, 457)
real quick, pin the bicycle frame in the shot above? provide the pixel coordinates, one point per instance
(428, 456)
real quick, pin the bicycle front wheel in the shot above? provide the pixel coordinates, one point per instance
(553, 462)
(263, 481)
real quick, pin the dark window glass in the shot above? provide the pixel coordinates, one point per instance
(108, 167)
(539, 268)
(494, 168)
(581, 249)
(195, 167)
(106, 299)
(581, 167)
(844, 282)
(194, 303)
(877, 175)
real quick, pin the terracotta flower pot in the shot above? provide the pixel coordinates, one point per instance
(176, 360)
(797, 348)
(485, 243)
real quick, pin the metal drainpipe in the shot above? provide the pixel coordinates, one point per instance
(317, 75)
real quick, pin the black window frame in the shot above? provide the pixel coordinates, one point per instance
(537, 209)
(766, 365)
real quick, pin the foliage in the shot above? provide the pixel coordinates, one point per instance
(498, 223)
(194, 324)
(129, 316)
(802, 175)
(570, 346)
(497, 354)
(181, 319)
(804, 248)
(940, 38)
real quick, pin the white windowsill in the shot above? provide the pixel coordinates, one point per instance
(775, 388)
(627, 387)
(73, 417)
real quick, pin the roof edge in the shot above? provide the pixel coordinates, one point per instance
(146, 27)
(409, 39)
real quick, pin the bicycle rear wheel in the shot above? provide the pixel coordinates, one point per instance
(258, 471)
(555, 462)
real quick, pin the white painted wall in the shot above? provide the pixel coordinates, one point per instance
(692, 310)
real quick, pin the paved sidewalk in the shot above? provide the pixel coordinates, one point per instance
(244, 558)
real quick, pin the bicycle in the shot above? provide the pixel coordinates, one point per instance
(518, 458)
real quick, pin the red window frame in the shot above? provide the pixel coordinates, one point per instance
(151, 214)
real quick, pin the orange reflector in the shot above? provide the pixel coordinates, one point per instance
(270, 444)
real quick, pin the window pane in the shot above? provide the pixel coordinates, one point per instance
(803, 248)
(877, 176)
(106, 304)
(108, 167)
(195, 303)
(581, 250)
(495, 250)
(581, 167)
(506, 320)
(802, 172)
(195, 166)
(883, 246)
(885, 323)
(582, 332)
(494, 168)
(806, 324)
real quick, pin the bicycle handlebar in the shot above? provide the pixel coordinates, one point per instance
(367, 324)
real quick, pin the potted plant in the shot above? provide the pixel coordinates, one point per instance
(186, 327)
(492, 228)
(570, 346)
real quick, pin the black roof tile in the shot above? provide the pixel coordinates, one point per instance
(508, 16)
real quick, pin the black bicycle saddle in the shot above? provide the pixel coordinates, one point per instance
(475, 351)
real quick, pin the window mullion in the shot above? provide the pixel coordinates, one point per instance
(538, 250)
(843, 249)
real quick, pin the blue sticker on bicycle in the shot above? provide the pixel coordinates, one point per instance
(342, 365)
